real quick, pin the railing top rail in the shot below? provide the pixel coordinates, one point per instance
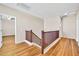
(51, 31)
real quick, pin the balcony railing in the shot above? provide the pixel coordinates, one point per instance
(47, 38)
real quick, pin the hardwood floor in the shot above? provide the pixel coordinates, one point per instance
(65, 47)
(10, 49)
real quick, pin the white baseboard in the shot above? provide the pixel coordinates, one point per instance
(28, 42)
(69, 37)
(32, 43)
(19, 41)
(36, 45)
(51, 45)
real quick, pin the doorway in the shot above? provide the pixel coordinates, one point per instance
(69, 26)
(8, 30)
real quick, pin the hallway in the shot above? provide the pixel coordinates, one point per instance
(65, 47)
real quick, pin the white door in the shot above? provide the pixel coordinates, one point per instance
(69, 26)
(0, 33)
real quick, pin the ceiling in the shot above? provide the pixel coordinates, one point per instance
(44, 10)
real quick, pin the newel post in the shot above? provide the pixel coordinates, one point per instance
(42, 42)
(31, 35)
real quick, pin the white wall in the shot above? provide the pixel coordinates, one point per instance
(52, 24)
(69, 26)
(8, 27)
(24, 22)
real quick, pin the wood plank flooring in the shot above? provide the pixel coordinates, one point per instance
(65, 47)
(10, 49)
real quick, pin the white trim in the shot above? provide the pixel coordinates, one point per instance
(27, 42)
(32, 43)
(77, 30)
(36, 45)
(69, 37)
(17, 42)
(51, 45)
(15, 32)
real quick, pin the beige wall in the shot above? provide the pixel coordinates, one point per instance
(24, 22)
(69, 26)
(8, 27)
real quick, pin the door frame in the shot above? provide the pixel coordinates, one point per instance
(4, 14)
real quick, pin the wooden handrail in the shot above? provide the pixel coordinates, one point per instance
(50, 31)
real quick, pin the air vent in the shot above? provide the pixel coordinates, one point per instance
(24, 6)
